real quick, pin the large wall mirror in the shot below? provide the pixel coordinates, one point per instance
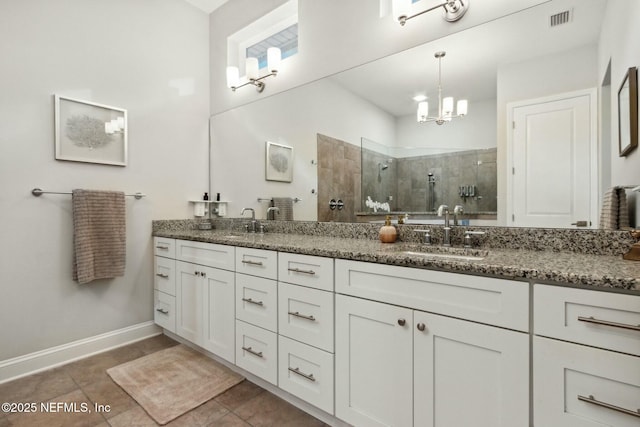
(356, 135)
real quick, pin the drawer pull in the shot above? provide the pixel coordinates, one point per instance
(402, 322)
(302, 316)
(164, 276)
(421, 327)
(594, 401)
(164, 248)
(250, 301)
(297, 270)
(162, 310)
(310, 377)
(248, 261)
(609, 323)
(255, 353)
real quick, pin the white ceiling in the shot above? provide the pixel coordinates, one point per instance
(207, 6)
(473, 56)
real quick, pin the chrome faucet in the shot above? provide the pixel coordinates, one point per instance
(457, 211)
(253, 227)
(273, 209)
(444, 210)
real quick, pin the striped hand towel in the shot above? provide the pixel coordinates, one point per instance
(99, 235)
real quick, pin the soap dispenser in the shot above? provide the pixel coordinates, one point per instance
(388, 232)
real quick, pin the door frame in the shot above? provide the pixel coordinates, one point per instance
(594, 198)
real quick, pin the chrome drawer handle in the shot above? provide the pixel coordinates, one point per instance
(310, 377)
(302, 316)
(596, 402)
(248, 261)
(255, 353)
(164, 276)
(608, 323)
(164, 248)
(250, 301)
(297, 270)
(162, 310)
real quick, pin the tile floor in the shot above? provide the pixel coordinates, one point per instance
(85, 381)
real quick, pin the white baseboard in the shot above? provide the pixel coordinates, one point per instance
(31, 363)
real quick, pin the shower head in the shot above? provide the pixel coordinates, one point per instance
(383, 167)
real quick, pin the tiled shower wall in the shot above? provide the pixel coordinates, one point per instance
(404, 184)
(338, 178)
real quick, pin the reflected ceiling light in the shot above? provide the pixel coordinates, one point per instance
(445, 106)
(420, 98)
(253, 71)
(453, 10)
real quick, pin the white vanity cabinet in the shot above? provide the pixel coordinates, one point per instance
(398, 365)
(205, 295)
(256, 301)
(164, 283)
(586, 364)
(305, 328)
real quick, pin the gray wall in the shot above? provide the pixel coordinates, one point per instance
(150, 57)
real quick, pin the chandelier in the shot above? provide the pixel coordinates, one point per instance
(445, 106)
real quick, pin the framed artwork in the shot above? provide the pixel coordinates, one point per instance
(90, 132)
(628, 112)
(279, 162)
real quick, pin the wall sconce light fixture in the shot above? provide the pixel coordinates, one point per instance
(253, 71)
(453, 10)
(445, 106)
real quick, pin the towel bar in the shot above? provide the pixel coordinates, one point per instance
(38, 192)
(265, 199)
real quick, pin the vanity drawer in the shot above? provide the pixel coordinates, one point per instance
(209, 254)
(306, 270)
(165, 275)
(487, 300)
(257, 351)
(564, 371)
(164, 311)
(164, 247)
(306, 372)
(257, 262)
(257, 301)
(596, 318)
(306, 315)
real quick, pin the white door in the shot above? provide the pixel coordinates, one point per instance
(374, 363)
(553, 167)
(189, 301)
(219, 312)
(468, 374)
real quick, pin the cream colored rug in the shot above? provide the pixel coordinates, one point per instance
(173, 381)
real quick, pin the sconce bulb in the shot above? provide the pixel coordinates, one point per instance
(120, 122)
(423, 111)
(273, 59)
(233, 77)
(252, 68)
(462, 107)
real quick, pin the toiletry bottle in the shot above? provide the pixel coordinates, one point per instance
(206, 196)
(388, 232)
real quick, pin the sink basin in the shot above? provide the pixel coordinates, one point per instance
(444, 255)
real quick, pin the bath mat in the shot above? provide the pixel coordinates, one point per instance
(173, 381)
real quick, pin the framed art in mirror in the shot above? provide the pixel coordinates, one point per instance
(90, 132)
(279, 162)
(628, 112)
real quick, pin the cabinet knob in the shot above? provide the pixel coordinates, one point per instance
(402, 322)
(421, 327)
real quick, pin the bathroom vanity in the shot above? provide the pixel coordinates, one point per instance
(364, 333)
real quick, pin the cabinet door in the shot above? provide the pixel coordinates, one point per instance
(189, 301)
(468, 374)
(580, 386)
(374, 366)
(219, 312)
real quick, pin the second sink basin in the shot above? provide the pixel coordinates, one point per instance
(451, 253)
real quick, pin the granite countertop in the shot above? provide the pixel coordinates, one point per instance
(568, 268)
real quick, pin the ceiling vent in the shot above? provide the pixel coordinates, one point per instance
(560, 18)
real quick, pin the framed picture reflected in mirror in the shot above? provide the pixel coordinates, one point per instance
(628, 112)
